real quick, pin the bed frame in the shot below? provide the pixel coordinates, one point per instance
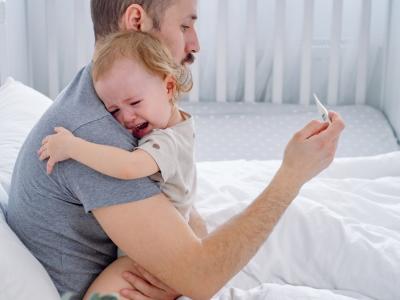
(3, 42)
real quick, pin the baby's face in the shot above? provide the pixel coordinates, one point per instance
(140, 101)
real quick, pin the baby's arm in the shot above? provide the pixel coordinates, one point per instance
(105, 159)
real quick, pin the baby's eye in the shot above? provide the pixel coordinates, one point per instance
(114, 112)
(135, 102)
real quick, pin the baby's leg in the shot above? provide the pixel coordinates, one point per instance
(110, 280)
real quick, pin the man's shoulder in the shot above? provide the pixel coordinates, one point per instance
(79, 109)
(78, 102)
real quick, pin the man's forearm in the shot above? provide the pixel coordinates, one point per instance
(228, 249)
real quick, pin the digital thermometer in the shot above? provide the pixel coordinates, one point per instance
(322, 110)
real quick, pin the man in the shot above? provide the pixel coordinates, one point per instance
(71, 219)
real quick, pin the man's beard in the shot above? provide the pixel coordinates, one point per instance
(189, 59)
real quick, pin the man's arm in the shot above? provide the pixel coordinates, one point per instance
(196, 222)
(153, 234)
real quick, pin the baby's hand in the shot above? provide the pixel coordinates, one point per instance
(56, 147)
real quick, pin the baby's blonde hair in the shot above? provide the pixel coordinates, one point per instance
(147, 50)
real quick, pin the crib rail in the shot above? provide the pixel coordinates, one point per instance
(279, 44)
(221, 71)
(334, 54)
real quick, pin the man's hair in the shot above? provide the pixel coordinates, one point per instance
(146, 50)
(106, 14)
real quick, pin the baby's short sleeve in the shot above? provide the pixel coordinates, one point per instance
(162, 147)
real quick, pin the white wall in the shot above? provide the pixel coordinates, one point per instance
(392, 95)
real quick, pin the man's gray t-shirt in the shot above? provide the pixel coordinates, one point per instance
(52, 214)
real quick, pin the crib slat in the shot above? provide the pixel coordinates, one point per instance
(305, 73)
(30, 34)
(334, 56)
(385, 56)
(222, 50)
(363, 44)
(250, 63)
(53, 68)
(80, 34)
(3, 42)
(2, 12)
(278, 64)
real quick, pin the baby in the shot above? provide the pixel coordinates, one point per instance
(149, 111)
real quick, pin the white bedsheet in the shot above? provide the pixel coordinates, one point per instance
(340, 238)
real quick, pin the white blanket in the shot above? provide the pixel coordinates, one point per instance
(340, 238)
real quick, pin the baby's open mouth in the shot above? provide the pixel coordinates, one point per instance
(141, 130)
(142, 126)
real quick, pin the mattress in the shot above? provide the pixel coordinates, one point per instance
(230, 131)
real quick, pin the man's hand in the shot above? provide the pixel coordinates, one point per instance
(311, 150)
(146, 286)
(56, 147)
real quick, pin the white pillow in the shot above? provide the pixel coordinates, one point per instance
(3, 202)
(20, 109)
(21, 274)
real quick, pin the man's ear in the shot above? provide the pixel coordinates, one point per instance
(135, 18)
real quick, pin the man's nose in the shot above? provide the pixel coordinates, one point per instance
(193, 45)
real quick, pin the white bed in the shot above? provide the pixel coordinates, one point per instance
(341, 236)
(340, 239)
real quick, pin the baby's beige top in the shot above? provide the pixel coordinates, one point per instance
(173, 150)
